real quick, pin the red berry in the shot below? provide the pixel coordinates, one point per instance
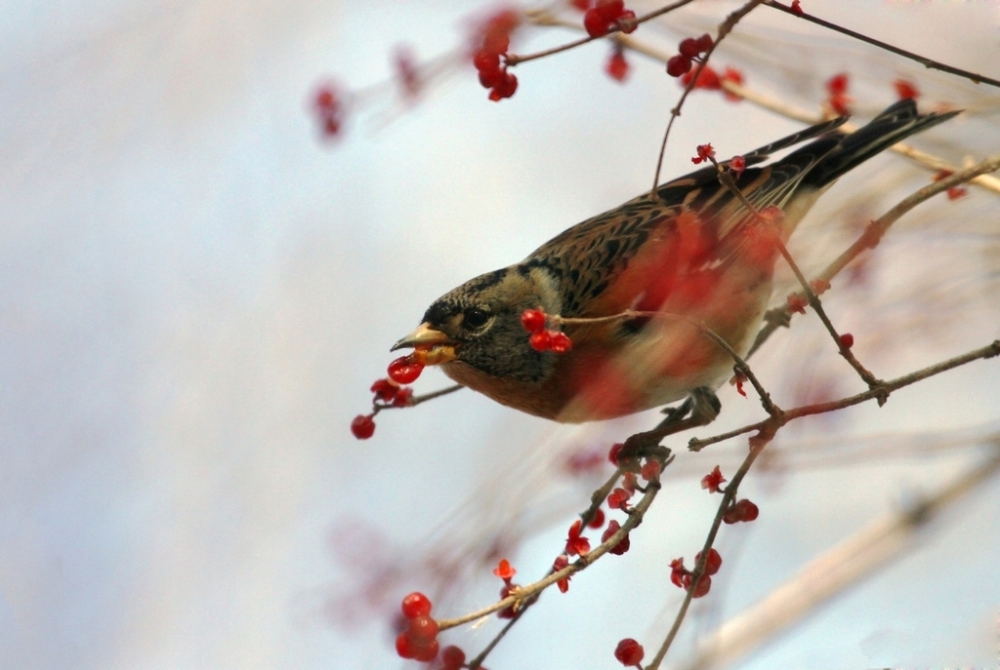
(618, 499)
(423, 628)
(427, 652)
(505, 88)
(406, 646)
(704, 43)
(610, 9)
(325, 99)
(582, 5)
(613, 453)
(575, 543)
(713, 563)
(559, 342)
(688, 47)
(617, 67)
(406, 369)
(541, 341)
(452, 657)
(702, 587)
(598, 519)
(363, 426)
(837, 84)
(533, 320)
(678, 572)
(847, 340)
(737, 165)
(404, 398)
(796, 8)
(840, 104)
(486, 61)
(678, 65)
(385, 390)
(416, 605)
(623, 544)
(629, 652)
(331, 126)
(595, 23)
(743, 510)
(708, 78)
(490, 78)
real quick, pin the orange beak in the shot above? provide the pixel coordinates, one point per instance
(437, 346)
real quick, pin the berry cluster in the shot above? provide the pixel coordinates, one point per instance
(608, 15)
(329, 109)
(541, 339)
(419, 640)
(629, 653)
(690, 51)
(488, 56)
(681, 577)
(391, 392)
(837, 98)
(955, 192)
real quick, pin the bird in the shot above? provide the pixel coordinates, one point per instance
(636, 288)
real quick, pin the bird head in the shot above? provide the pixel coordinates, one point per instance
(478, 324)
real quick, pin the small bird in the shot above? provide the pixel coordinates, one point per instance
(695, 257)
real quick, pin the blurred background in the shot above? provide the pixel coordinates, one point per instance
(199, 288)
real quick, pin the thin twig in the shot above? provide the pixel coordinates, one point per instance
(883, 390)
(728, 499)
(416, 400)
(926, 62)
(871, 237)
(724, 29)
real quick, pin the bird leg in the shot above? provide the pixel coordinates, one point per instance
(698, 409)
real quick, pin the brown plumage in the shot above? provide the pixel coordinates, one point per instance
(694, 255)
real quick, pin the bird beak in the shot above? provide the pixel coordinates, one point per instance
(424, 337)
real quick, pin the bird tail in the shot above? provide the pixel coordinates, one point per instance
(893, 125)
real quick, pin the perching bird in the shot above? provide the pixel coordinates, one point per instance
(696, 255)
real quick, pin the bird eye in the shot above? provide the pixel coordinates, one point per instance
(475, 318)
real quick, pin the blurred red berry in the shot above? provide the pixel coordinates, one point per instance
(847, 340)
(708, 78)
(733, 75)
(427, 652)
(797, 8)
(837, 84)
(688, 48)
(629, 652)
(713, 480)
(416, 605)
(533, 320)
(582, 5)
(614, 451)
(704, 43)
(618, 499)
(594, 23)
(625, 22)
(737, 164)
(678, 65)
(363, 427)
(617, 66)
(906, 89)
(562, 560)
(598, 519)
(650, 470)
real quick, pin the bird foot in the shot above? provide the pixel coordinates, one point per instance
(698, 409)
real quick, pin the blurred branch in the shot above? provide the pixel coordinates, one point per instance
(837, 570)
(926, 62)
